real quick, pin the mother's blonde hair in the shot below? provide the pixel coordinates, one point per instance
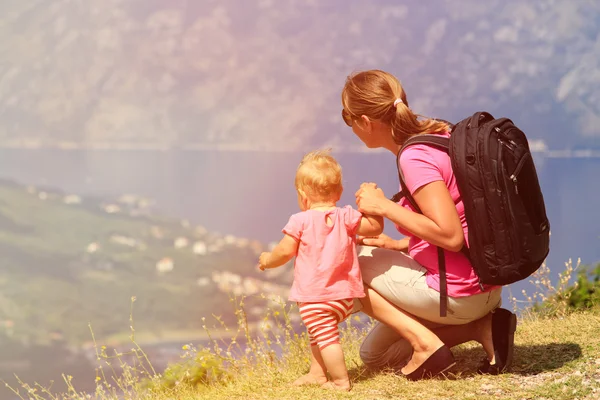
(373, 93)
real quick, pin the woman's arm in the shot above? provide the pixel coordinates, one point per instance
(439, 224)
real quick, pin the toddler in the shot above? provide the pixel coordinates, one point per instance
(327, 278)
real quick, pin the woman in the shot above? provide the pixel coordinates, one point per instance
(402, 276)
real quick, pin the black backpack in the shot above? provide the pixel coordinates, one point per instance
(509, 232)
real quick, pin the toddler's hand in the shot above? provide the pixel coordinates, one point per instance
(368, 185)
(263, 260)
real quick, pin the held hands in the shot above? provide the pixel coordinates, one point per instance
(370, 199)
(263, 260)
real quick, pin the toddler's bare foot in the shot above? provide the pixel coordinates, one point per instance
(331, 385)
(310, 379)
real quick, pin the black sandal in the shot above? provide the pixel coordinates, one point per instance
(504, 324)
(437, 363)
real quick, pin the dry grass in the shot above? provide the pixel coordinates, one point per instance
(557, 356)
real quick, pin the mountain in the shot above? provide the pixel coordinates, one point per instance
(267, 74)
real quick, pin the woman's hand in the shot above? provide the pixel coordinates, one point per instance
(370, 199)
(383, 241)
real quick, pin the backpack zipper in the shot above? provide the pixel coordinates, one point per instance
(507, 205)
(518, 168)
(510, 147)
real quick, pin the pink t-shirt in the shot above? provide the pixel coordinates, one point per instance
(422, 164)
(326, 266)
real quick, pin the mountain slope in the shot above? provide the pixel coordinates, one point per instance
(69, 261)
(267, 74)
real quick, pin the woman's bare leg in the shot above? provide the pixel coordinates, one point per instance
(479, 330)
(423, 341)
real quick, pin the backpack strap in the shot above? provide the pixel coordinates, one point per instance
(441, 143)
(443, 282)
(479, 118)
(437, 141)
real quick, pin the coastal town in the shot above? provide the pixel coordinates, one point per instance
(172, 254)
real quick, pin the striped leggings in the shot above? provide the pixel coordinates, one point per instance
(322, 319)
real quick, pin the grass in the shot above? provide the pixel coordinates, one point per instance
(555, 358)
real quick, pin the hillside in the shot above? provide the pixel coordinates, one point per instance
(555, 358)
(70, 264)
(267, 74)
(68, 261)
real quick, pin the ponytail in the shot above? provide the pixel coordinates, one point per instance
(380, 96)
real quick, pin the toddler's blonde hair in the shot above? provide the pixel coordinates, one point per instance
(319, 176)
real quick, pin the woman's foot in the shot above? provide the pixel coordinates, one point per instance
(310, 379)
(428, 364)
(331, 385)
(483, 335)
(422, 351)
(504, 324)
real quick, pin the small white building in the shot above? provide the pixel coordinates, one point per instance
(112, 208)
(214, 248)
(203, 281)
(72, 199)
(156, 232)
(128, 199)
(145, 203)
(230, 239)
(242, 243)
(165, 265)
(92, 247)
(200, 248)
(124, 240)
(181, 242)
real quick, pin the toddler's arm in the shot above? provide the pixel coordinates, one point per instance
(285, 250)
(370, 225)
